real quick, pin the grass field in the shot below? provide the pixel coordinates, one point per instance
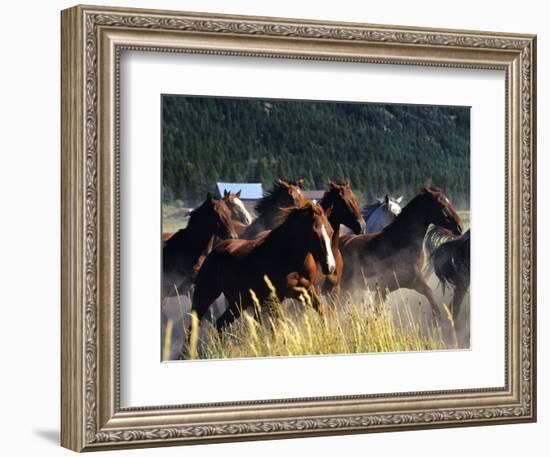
(349, 325)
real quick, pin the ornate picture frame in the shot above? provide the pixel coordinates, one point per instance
(93, 39)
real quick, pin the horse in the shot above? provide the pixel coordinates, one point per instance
(449, 256)
(287, 255)
(394, 258)
(285, 194)
(382, 213)
(184, 252)
(341, 208)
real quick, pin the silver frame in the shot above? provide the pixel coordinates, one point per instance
(92, 41)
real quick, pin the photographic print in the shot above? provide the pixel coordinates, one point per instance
(298, 227)
(270, 198)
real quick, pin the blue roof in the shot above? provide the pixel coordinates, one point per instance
(249, 190)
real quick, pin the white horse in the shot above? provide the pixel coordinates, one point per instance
(381, 214)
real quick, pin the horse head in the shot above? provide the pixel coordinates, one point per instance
(289, 192)
(380, 215)
(217, 216)
(236, 206)
(440, 211)
(343, 205)
(393, 204)
(309, 225)
(285, 194)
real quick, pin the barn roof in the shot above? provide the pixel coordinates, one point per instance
(249, 190)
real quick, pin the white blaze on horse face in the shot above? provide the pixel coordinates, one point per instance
(330, 256)
(246, 214)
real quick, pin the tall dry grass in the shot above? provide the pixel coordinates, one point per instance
(348, 326)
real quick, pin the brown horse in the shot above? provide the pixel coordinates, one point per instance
(285, 194)
(394, 257)
(449, 257)
(341, 208)
(239, 214)
(184, 252)
(237, 267)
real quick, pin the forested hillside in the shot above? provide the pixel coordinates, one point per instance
(382, 148)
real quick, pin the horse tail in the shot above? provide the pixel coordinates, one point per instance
(435, 237)
(449, 257)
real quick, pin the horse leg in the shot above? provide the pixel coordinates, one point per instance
(296, 283)
(380, 297)
(232, 312)
(458, 298)
(422, 287)
(203, 297)
(316, 301)
(331, 286)
(331, 290)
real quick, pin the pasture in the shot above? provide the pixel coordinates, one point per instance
(351, 324)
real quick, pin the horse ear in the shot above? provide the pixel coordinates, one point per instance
(209, 196)
(238, 194)
(281, 183)
(225, 193)
(300, 183)
(399, 200)
(331, 183)
(387, 199)
(346, 181)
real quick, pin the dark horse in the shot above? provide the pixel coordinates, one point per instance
(237, 267)
(285, 194)
(184, 252)
(394, 257)
(341, 207)
(450, 258)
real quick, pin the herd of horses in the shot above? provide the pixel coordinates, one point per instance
(325, 248)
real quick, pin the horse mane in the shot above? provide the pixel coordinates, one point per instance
(270, 197)
(329, 194)
(292, 211)
(435, 192)
(199, 211)
(286, 214)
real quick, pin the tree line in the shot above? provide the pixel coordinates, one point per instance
(381, 148)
